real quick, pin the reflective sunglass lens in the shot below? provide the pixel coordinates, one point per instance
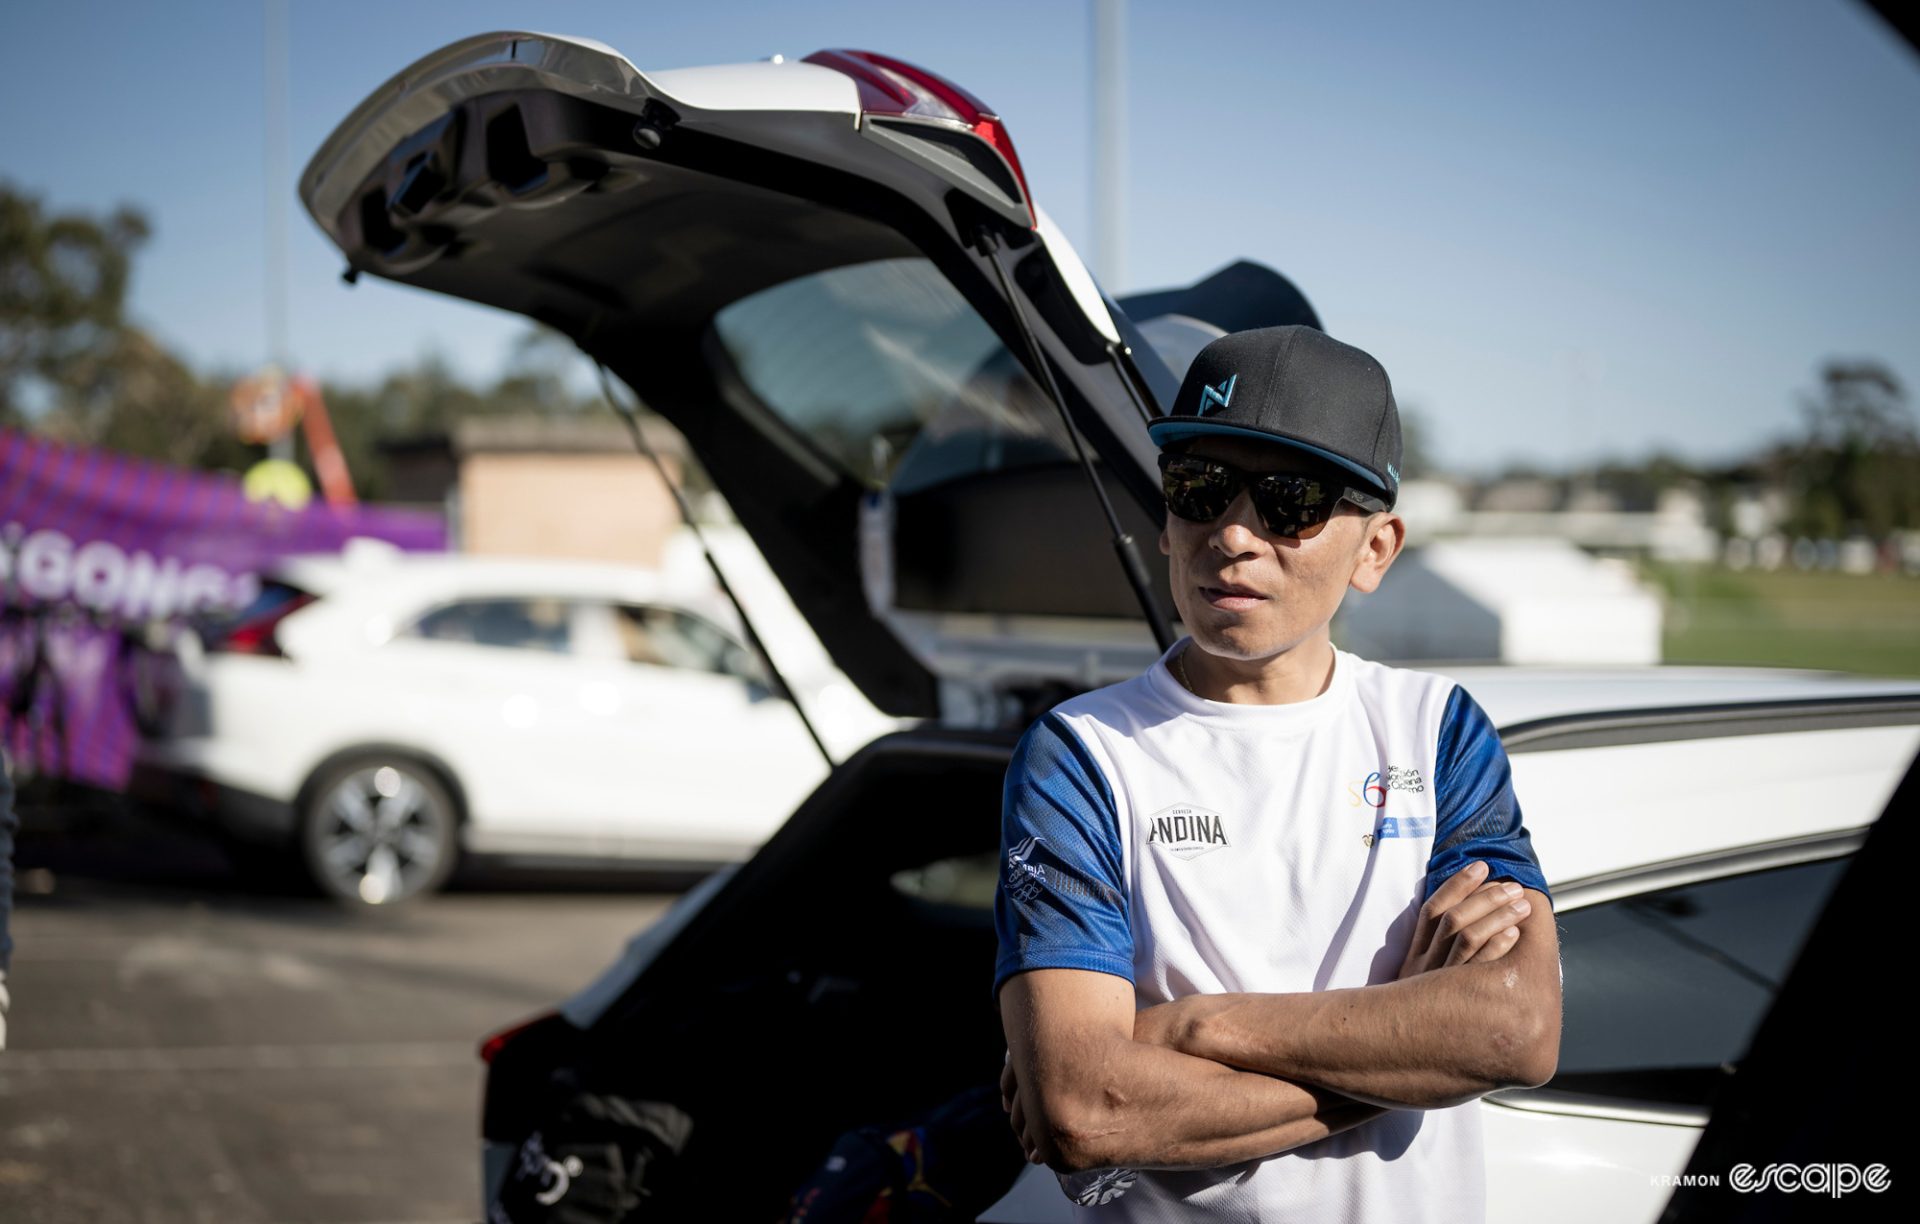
(1201, 490)
(1198, 491)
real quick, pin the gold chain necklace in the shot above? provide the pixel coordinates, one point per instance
(1181, 659)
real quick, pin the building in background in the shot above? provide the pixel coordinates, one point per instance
(534, 486)
(1524, 571)
(1535, 600)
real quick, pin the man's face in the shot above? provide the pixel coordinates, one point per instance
(1246, 593)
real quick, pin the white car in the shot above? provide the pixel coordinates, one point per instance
(377, 715)
(829, 275)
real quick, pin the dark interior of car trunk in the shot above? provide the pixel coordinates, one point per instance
(827, 987)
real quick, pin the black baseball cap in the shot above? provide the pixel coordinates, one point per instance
(1299, 387)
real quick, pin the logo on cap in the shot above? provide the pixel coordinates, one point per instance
(1216, 395)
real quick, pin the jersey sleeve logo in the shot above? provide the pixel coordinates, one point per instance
(1097, 1187)
(1187, 830)
(1025, 879)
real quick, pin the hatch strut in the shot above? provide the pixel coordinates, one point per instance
(1123, 546)
(630, 414)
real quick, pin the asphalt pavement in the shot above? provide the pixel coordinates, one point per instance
(186, 1045)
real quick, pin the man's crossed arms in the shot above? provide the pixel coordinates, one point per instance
(1215, 1079)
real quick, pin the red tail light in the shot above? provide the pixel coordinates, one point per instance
(255, 635)
(490, 1047)
(893, 87)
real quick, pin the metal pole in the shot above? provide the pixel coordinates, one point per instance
(1123, 545)
(275, 57)
(1110, 142)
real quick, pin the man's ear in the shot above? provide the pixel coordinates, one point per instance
(1166, 543)
(1385, 533)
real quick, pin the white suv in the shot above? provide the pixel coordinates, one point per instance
(374, 716)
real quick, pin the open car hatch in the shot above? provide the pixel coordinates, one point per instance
(793, 262)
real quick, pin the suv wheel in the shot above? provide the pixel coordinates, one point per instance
(378, 830)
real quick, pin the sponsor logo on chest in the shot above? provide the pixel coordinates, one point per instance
(1186, 830)
(1373, 791)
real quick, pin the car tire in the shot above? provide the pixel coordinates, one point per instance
(378, 830)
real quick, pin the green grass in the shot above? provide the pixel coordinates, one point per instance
(1857, 623)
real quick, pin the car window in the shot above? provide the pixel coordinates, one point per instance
(668, 637)
(888, 371)
(523, 624)
(967, 881)
(274, 595)
(1665, 989)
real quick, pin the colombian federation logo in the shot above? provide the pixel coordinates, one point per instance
(1186, 830)
(1372, 790)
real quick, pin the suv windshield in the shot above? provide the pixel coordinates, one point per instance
(891, 375)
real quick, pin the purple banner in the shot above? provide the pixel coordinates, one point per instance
(94, 548)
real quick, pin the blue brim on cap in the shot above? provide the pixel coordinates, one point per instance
(1174, 429)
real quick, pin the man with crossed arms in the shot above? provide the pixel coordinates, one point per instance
(1269, 920)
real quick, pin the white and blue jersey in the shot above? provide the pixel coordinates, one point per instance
(1204, 847)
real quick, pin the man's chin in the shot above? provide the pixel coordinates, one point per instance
(1239, 638)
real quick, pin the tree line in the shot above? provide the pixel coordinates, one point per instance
(75, 367)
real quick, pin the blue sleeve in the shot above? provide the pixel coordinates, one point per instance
(1478, 816)
(1061, 900)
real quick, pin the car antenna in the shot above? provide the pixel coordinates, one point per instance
(631, 415)
(1123, 545)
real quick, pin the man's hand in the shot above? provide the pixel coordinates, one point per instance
(1464, 921)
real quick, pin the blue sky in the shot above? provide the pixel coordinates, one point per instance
(1566, 230)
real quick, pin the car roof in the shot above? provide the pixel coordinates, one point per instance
(453, 574)
(1630, 770)
(1513, 695)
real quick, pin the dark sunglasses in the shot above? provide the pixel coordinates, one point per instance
(1288, 503)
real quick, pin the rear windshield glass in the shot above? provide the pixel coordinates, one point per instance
(273, 596)
(891, 375)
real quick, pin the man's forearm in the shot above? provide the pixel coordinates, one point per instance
(1427, 1042)
(1147, 1107)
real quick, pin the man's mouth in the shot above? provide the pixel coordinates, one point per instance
(1231, 597)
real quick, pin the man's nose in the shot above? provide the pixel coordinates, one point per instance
(1237, 531)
